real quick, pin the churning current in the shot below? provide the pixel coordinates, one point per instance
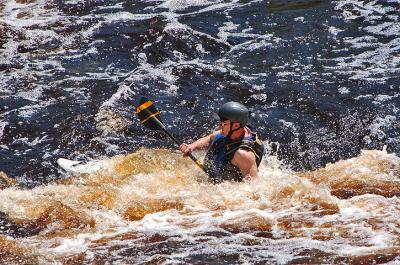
(322, 82)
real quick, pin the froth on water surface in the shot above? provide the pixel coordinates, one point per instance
(320, 79)
(373, 172)
(155, 205)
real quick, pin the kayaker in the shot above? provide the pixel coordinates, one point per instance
(234, 151)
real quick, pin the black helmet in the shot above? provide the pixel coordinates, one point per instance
(235, 112)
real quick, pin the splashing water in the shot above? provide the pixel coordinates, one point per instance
(154, 205)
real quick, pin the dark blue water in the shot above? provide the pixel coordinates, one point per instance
(320, 77)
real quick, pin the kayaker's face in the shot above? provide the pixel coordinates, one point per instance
(224, 126)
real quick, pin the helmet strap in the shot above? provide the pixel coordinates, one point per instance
(231, 131)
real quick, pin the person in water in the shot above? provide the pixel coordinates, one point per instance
(234, 151)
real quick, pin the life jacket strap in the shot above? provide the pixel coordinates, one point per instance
(251, 143)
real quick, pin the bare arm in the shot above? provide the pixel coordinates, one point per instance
(246, 161)
(202, 143)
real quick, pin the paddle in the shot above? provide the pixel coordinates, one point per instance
(150, 117)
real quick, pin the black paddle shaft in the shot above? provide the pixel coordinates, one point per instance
(149, 116)
(179, 144)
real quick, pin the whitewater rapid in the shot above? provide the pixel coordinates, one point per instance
(156, 193)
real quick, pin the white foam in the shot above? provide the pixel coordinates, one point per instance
(381, 57)
(74, 2)
(226, 29)
(258, 42)
(102, 76)
(384, 98)
(386, 29)
(3, 125)
(79, 93)
(301, 19)
(38, 14)
(367, 10)
(31, 95)
(334, 30)
(379, 124)
(383, 60)
(127, 16)
(343, 90)
(382, 239)
(180, 5)
(26, 141)
(37, 140)
(71, 245)
(162, 73)
(28, 111)
(363, 42)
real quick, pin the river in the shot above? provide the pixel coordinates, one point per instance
(321, 79)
